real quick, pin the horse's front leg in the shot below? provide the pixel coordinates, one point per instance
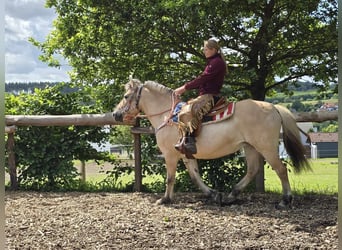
(192, 166)
(171, 167)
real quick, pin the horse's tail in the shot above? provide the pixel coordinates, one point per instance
(292, 141)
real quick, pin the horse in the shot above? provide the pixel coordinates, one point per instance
(254, 127)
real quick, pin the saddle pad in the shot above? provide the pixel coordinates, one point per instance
(225, 114)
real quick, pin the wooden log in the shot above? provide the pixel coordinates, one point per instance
(320, 116)
(142, 130)
(107, 119)
(137, 163)
(64, 120)
(83, 171)
(10, 129)
(137, 155)
(11, 162)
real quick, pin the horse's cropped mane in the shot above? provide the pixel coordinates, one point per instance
(158, 87)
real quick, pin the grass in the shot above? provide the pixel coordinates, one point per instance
(322, 180)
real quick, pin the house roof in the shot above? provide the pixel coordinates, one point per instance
(305, 126)
(323, 137)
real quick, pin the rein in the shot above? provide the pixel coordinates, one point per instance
(166, 121)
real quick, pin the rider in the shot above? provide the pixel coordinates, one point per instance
(208, 84)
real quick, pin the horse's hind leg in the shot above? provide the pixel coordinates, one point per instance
(281, 170)
(253, 159)
(192, 166)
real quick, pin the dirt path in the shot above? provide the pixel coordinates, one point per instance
(133, 221)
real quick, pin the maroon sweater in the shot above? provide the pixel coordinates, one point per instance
(211, 80)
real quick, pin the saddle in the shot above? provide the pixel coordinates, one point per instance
(221, 110)
(219, 107)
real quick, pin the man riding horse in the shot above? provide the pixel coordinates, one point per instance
(209, 85)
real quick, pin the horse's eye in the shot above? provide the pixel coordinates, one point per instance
(126, 96)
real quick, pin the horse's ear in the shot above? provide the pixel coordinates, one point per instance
(133, 83)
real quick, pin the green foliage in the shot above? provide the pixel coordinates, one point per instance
(122, 135)
(332, 128)
(223, 173)
(268, 43)
(112, 180)
(45, 154)
(327, 126)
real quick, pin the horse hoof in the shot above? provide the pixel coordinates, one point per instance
(217, 197)
(230, 201)
(286, 203)
(282, 206)
(163, 201)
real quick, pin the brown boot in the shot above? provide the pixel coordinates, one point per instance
(190, 144)
(180, 145)
(187, 145)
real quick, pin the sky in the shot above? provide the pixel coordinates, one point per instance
(24, 19)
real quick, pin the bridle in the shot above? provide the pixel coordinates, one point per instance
(138, 97)
(174, 102)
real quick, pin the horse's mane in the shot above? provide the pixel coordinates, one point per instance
(157, 87)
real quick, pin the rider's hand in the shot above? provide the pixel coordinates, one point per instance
(180, 90)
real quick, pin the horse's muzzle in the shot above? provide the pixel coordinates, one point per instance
(118, 116)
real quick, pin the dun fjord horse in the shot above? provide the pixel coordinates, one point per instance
(255, 127)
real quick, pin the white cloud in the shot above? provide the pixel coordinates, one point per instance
(25, 19)
(19, 63)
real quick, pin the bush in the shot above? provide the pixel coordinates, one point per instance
(45, 154)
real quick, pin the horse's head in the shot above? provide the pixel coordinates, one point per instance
(128, 108)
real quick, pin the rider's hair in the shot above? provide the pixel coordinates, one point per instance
(213, 44)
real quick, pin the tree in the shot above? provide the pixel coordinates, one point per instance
(122, 135)
(45, 154)
(332, 128)
(268, 44)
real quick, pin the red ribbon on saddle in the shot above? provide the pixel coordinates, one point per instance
(226, 113)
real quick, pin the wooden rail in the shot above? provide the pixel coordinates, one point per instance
(64, 120)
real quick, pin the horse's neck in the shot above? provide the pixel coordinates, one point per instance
(156, 106)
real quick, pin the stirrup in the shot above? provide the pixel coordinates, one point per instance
(190, 147)
(180, 145)
(187, 145)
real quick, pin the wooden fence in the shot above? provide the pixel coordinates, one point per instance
(107, 119)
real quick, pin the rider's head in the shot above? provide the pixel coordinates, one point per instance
(211, 48)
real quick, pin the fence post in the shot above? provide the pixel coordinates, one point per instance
(137, 160)
(83, 171)
(260, 177)
(11, 162)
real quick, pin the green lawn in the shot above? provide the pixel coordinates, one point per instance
(323, 178)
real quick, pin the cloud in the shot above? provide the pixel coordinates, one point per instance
(28, 9)
(25, 19)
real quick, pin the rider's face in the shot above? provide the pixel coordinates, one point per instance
(209, 52)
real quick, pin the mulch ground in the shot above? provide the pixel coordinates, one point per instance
(133, 221)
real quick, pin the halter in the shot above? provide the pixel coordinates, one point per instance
(139, 96)
(166, 121)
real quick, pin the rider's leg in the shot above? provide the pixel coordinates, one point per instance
(189, 120)
(188, 142)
